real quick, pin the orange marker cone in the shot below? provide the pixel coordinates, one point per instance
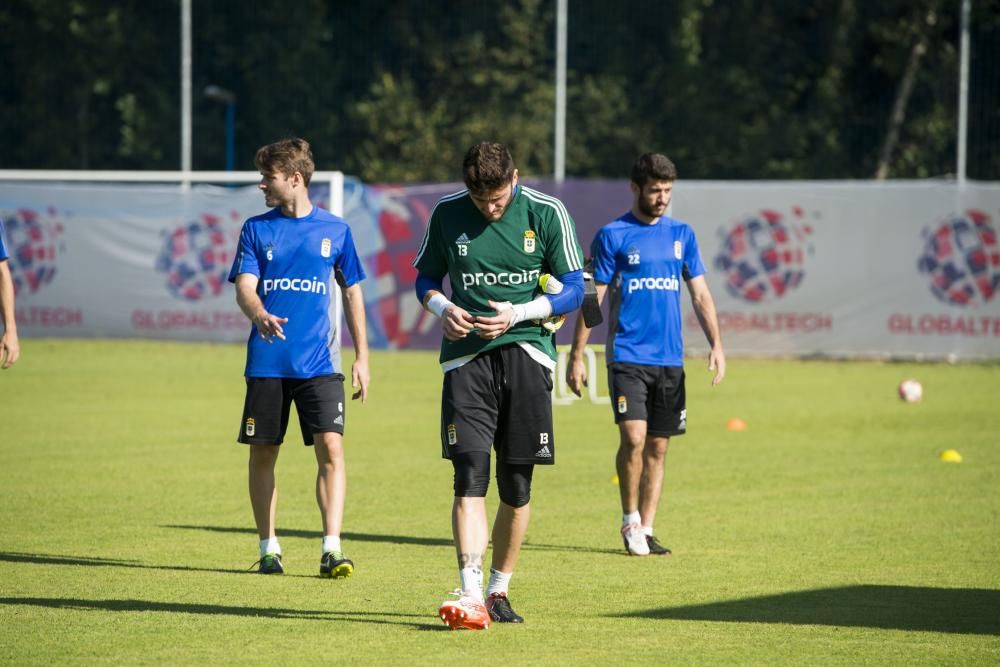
(736, 424)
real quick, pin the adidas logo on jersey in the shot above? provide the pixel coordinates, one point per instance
(462, 240)
(544, 453)
(339, 421)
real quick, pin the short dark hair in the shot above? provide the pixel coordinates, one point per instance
(653, 167)
(487, 167)
(287, 157)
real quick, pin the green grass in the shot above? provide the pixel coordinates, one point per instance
(828, 532)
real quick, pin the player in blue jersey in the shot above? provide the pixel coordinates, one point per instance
(641, 259)
(494, 241)
(284, 270)
(10, 347)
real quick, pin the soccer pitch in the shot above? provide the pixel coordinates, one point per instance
(827, 532)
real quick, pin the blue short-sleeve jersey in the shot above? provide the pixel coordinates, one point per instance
(296, 261)
(643, 266)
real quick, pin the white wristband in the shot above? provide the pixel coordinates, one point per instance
(536, 309)
(438, 303)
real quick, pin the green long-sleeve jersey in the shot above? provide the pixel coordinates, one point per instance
(498, 261)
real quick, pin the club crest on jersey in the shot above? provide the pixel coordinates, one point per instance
(622, 405)
(452, 434)
(529, 241)
(324, 248)
(678, 250)
(250, 427)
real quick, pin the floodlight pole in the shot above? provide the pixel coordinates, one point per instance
(560, 138)
(185, 91)
(963, 95)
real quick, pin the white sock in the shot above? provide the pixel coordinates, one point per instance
(270, 546)
(331, 543)
(648, 530)
(631, 517)
(472, 581)
(499, 582)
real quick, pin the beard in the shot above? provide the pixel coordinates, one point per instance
(652, 210)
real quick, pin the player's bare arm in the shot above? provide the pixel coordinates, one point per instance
(268, 325)
(576, 369)
(354, 313)
(704, 309)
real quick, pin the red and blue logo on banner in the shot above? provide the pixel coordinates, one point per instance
(33, 248)
(962, 259)
(763, 256)
(196, 258)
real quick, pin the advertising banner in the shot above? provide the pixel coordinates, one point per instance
(831, 269)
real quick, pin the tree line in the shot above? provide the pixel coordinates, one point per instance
(393, 91)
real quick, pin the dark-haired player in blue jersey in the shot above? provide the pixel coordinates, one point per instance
(494, 241)
(10, 347)
(641, 259)
(284, 270)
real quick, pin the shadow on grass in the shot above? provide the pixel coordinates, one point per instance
(955, 610)
(217, 610)
(46, 559)
(315, 534)
(390, 539)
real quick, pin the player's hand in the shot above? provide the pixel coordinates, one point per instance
(10, 350)
(717, 363)
(269, 327)
(494, 326)
(457, 323)
(360, 379)
(576, 375)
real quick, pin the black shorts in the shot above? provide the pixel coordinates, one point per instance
(653, 394)
(503, 399)
(318, 400)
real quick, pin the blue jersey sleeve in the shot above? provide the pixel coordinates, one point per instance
(571, 296)
(246, 255)
(603, 254)
(425, 283)
(3, 242)
(349, 268)
(692, 259)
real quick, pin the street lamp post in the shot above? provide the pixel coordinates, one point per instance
(227, 97)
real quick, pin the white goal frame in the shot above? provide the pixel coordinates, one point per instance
(183, 179)
(561, 394)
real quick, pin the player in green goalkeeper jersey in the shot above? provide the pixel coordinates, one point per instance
(494, 241)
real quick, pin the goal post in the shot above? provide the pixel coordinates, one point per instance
(596, 377)
(184, 179)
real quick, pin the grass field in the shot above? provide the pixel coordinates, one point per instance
(828, 532)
